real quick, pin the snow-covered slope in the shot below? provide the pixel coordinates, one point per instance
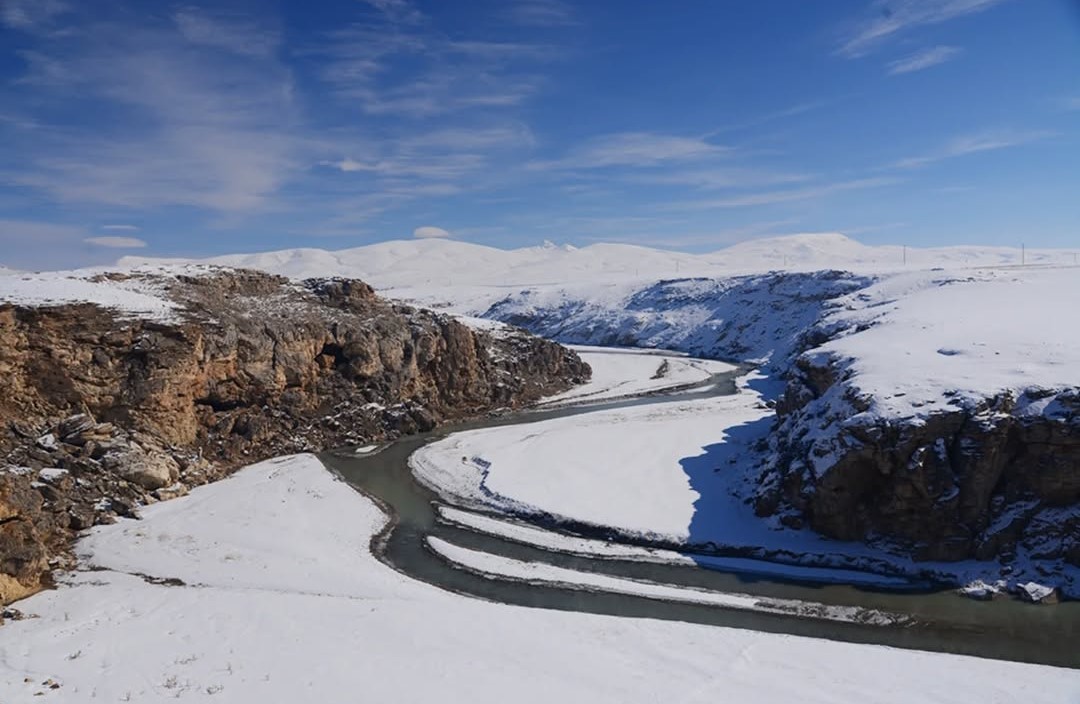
(916, 342)
(260, 588)
(133, 295)
(745, 318)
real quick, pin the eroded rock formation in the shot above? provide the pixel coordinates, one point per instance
(995, 479)
(100, 413)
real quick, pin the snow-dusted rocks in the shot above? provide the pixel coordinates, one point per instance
(745, 318)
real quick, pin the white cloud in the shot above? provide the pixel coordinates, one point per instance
(893, 17)
(973, 144)
(116, 242)
(119, 227)
(924, 59)
(634, 149)
(428, 232)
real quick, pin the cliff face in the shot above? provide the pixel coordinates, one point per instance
(101, 412)
(996, 479)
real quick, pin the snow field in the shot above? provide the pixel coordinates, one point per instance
(283, 602)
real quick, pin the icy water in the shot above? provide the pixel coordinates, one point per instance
(944, 621)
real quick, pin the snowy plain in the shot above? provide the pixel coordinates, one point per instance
(282, 601)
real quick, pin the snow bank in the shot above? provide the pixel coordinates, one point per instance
(621, 468)
(558, 542)
(542, 573)
(258, 620)
(619, 372)
(128, 297)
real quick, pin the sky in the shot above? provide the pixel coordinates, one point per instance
(144, 127)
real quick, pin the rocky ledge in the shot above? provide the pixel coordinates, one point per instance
(990, 479)
(103, 411)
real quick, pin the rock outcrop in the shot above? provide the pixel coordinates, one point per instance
(100, 413)
(996, 479)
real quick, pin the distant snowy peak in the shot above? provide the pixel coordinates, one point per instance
(427, 269)
(828, 249)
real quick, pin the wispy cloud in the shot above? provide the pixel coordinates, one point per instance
(973, 144)
(116, 242)
(889, 18)
(540, 13)
(634, 149)
(401, 11)
(775, 197)
(719, 178)
(234, 34)
(921, 60)
(783, 113)
(196, 129)
(128, 228)
(401, 67)
(447, 166)
(29, 14)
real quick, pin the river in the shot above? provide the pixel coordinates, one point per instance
(940, 620)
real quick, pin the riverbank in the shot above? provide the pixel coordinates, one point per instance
(261, 588)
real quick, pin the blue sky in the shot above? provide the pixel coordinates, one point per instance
(244, 125)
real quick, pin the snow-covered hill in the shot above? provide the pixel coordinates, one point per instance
(470, 277)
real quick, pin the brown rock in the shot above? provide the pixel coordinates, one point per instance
(252, 369)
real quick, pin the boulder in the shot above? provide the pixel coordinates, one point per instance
(150, 471)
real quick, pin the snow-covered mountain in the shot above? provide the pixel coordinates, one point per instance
(424, 269)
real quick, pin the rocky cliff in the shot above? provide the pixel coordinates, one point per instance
(997, 478)
(102, 411)
(933, 414)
